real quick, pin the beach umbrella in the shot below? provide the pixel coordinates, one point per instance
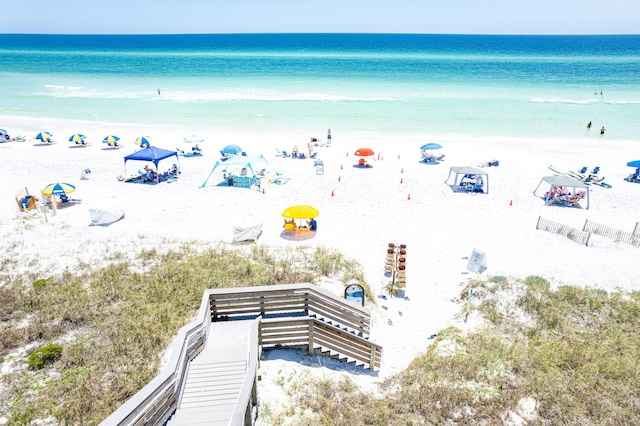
(111, 139)
(364, 152)
(232, 149)
(430, 145)
(44, 136)
(193, 139)
(58, 189)
(300, 212)
(635, 163)
(143, 141)
(78, 137)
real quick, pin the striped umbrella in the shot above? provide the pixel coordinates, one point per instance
(44, 136)
(77, 138)
(58, 189)
(111, 140)
(143, 141)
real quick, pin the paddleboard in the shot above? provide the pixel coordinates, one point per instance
(557, 170)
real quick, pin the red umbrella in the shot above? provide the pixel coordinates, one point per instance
(364, 152)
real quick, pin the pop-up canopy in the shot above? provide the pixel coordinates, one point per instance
(563, 182)
(460, 173)
(151, 154)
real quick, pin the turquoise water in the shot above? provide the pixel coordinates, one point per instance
(515, 86)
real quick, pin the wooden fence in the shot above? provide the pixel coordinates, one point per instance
(576, 235)
(632, 238)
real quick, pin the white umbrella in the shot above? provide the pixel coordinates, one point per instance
(193, 138)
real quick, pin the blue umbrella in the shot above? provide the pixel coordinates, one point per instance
(44, 136)
(143, 141)
(635, 163)
(431, 145)
(77, 138)
(58, 189)
(232, 149)
(111, 140)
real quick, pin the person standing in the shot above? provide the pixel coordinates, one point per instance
(589, 126)
(329, 136)
(602, 131)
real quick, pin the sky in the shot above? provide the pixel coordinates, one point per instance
(320, 16)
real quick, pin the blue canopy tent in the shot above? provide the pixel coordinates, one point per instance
(151, 154)
(241, 171)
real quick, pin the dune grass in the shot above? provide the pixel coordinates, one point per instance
(566, 356)
(114, 323)
(545, 356)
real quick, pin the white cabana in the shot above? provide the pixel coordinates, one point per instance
(468, 179)
(575, 190)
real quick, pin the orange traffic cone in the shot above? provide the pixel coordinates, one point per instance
(511, 202)
(263, 190)
(402, 170)
(332, 194)
(398, 156)
(338, 178)
(340, 166)
(400, 180)
(409, 197)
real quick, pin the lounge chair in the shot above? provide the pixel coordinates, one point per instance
(584, 170)
(595, 170)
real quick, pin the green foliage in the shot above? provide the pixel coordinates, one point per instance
(577, 359)
(122, 317)
(41, 283)
(537, 283)
(44, 355)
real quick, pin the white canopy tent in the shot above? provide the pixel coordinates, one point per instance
(562, 182)
(469, 179)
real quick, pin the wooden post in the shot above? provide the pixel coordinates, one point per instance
(310, 332)
(586, 221)
(43, 208)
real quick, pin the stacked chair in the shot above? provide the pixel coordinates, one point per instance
(391, 259)
(402, 267)
(395, 264)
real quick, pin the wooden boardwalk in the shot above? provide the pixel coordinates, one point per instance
(215, 376)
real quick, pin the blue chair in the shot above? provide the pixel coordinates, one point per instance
(596, 170)
(584, 170)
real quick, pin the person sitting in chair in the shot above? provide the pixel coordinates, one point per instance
(313, 225)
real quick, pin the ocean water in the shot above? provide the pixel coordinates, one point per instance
(513, 86)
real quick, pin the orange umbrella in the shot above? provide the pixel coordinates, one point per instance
(364, 152)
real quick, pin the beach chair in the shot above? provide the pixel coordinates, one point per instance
(595, 170)
(26, 202)
(314, 155)
(294, 155)
(583, 170)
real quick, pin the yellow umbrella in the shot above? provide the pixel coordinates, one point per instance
(300, 212)
(143, 141)
(58, 189)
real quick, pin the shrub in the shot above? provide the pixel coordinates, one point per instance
(44, 355)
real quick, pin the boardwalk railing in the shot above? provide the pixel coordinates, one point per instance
(285, 315)
(632, 238)
(573, 234)
(302, 315)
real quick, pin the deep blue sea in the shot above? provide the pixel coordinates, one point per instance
(514, 86)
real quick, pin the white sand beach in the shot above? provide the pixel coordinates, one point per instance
(398, 200)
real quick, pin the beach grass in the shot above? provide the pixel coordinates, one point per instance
(536, 355)
(113, 323)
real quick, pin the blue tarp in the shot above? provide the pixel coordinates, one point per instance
(151, 154)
